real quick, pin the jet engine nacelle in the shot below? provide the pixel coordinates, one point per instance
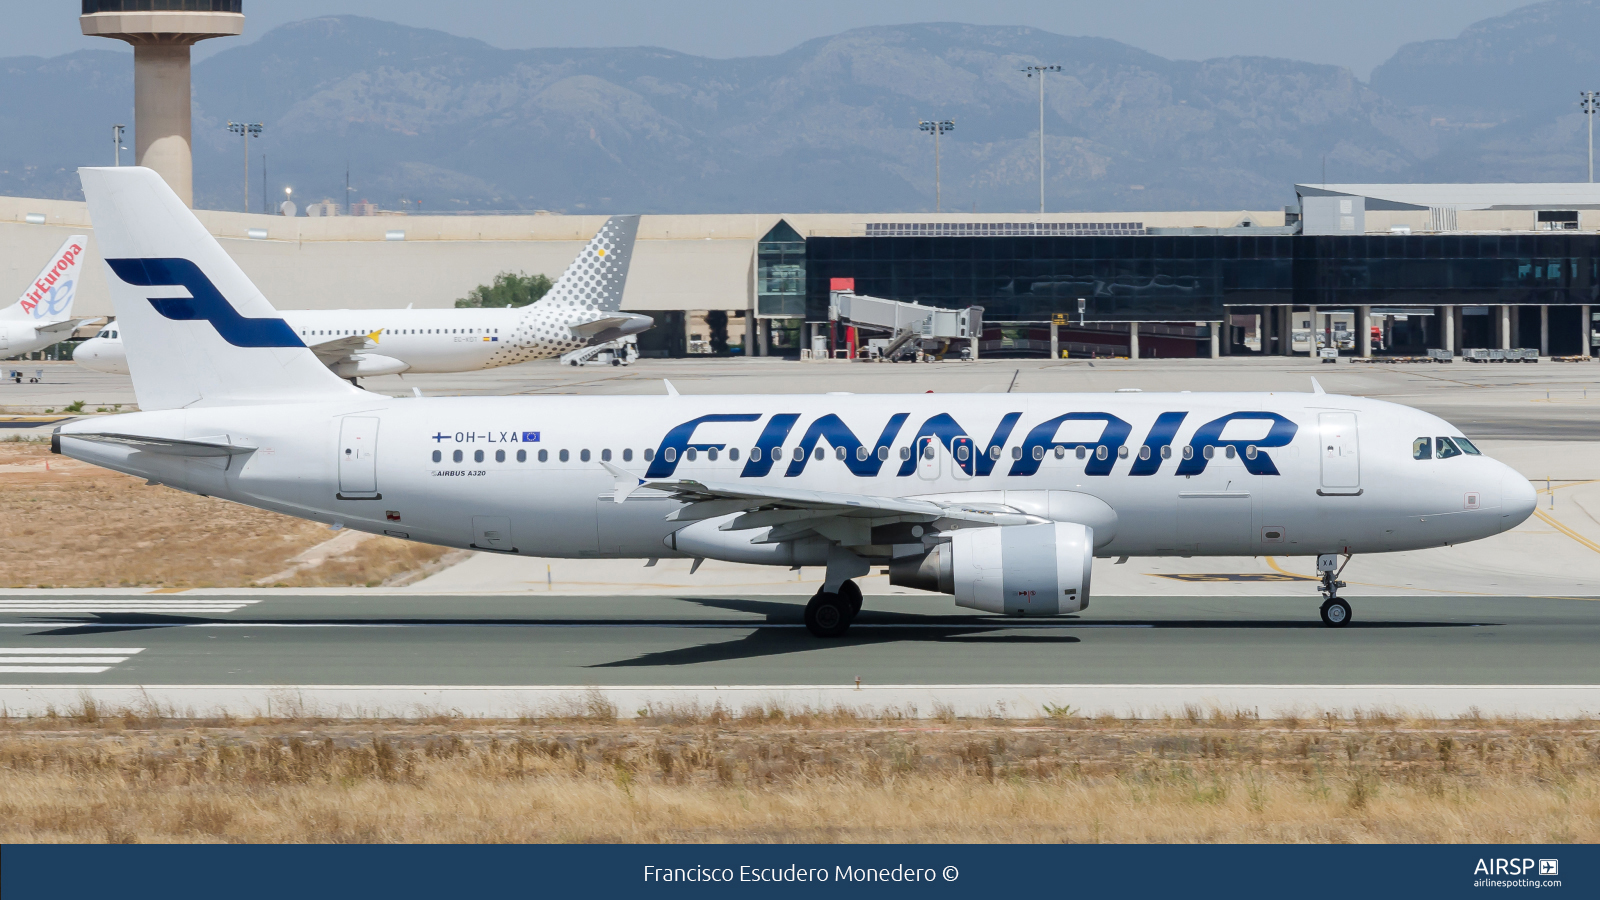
(1016, 570)
(369, 364)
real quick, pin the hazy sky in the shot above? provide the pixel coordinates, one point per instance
(1359, 34)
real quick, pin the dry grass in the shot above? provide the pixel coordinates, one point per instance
(77, 525)
(773, 777)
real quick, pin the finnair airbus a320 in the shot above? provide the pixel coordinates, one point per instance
(582, 308)
(1002, 501)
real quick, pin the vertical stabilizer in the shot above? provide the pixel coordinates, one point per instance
(49, 298)
(585, 302)
(196, 331)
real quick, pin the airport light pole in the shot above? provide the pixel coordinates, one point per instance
(936, 129)
(1591, 99)
(247, 131)
(116, 143)
(1032, 71)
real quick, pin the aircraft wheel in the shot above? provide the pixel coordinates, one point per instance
(1335, 613)
(850, 593)
(827, 615)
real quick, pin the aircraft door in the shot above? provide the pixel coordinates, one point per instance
(962, 456)
(928, 457)
(1340, 451)
(358, 458)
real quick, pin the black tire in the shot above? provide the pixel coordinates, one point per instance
(1336, 614)
(850, 592)
(827, 616)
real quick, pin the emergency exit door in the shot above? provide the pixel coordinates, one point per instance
(1341, 453)
(358, 458)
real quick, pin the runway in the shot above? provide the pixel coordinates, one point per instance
(393, 639)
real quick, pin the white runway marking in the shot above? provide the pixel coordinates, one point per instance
(57, 661)
(89, 605)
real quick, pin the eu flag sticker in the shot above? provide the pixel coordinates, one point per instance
(530, 437)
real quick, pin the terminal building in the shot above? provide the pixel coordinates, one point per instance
(1442, 267)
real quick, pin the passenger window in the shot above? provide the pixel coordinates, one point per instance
(477, 456)
(437, 456)
(1061, 452)
(1082, 452)
(544, 456)
(1166, 451)
(1447, 448)
(691, 454)
(670, 454)
(1144, 452)
(563, 456)
(1231, 452)
(522, 456)
(883, 453)
(1100, 452)
(861, 453)
(1422, 448)
(755, 454)
(627, 454)
(1208, 451)
(733, 454)
(583, 455)
(1250, 451)
(1016, 452)
(649, 454)
(928, 451)
(711, 454)
(1038, 452)
(905, 452)
(456, 456)
(1188, 451)
(838, 452)
(499, 456)
(1468, 447)
(961, 453)
(994, 452)
(1122, 452)
(605, 456)
(799, 454)
(817, 453)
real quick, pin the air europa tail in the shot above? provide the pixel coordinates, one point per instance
(49, 298)
(196, 331)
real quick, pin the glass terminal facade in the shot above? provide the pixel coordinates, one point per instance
(1207, 278)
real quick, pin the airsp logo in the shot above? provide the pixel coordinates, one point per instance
(1500, 866)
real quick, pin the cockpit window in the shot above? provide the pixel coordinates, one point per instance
(1422, 448)
(1468, 448)
(1448, 448)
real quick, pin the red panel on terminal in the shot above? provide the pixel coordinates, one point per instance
(842, 284)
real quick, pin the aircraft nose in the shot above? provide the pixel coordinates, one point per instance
(1517, 499)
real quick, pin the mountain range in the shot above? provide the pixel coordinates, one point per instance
(442, 123)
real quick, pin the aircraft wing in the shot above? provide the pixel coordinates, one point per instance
(790, 510)
(211, 445)
(341, 348)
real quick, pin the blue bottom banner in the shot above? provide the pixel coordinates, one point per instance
(62, 872)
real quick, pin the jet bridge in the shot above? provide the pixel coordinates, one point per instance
(933, 327)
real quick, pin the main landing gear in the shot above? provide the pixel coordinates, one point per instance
(829, 615)
(1335, 611)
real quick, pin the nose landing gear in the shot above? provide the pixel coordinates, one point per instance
(1335, 611)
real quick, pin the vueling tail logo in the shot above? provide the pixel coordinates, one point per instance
(205, 302)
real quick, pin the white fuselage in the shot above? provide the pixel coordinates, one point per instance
(524, 475)
(18, 338)
(425, 340)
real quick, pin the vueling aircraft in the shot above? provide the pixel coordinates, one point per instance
(43, 314)
(1003, 501)
(583, 307)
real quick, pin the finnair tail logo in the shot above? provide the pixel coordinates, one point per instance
(205, 302)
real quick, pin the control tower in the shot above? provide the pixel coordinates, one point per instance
(161, 32)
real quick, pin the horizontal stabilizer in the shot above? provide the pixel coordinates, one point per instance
(68, 325)
(211, 445)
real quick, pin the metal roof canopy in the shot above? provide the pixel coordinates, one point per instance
(1538, 195)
